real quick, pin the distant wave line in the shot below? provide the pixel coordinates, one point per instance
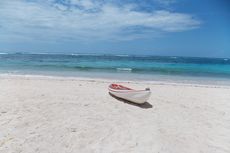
(124, 69)
(122, 55)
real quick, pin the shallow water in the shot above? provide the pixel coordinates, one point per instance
(117, 66)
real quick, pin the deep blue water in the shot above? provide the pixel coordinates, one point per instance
(115, 64)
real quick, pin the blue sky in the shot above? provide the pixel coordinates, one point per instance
(154, 27)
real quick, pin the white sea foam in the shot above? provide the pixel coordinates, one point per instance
(124, 69)
(75, 54)
(3, 53)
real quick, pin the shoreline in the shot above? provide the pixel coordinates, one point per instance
(213, 84)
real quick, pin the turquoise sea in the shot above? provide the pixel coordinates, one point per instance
(116, 66)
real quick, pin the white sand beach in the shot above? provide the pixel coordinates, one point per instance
(40, 114)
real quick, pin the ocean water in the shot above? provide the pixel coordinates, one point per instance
(116, 66)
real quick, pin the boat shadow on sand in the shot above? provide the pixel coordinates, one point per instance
(145, 105)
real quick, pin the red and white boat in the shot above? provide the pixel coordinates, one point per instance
(136, 96)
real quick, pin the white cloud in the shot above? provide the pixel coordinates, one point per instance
(85, 20)
(88, 4)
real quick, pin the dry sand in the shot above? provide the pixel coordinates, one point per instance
(74, 115)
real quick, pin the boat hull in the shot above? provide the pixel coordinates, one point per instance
(136, 96)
